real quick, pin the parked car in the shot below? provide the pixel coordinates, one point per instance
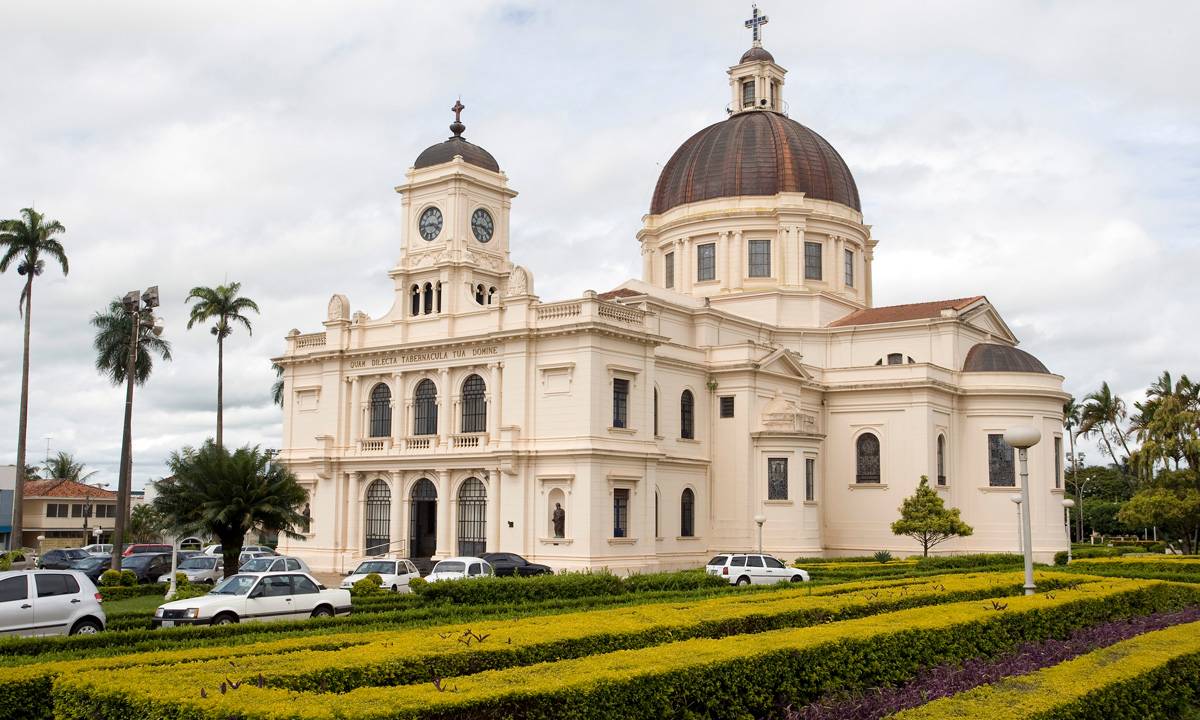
(145, 548)
(457, 568)
(270, 596)
(752, 568)
(60, 558)
(216, 549)
(199, 569)
(395, 573)
(98, 549)
(273, 563)
(93, 566)
(513, 564)
(247, 556)
(49, 602)
(148, 567)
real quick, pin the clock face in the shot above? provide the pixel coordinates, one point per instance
(482, 225)
(431, 223)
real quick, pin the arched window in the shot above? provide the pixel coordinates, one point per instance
(428, 298)
(472, 523)
(687, 513)
(867, 459)
(381, 411)
(491, 295)
(941, 460)
(425, 408)
(687, 415)
(415, 306)
(378, 519)
(439, 298)
(479, 294)
(474, 405)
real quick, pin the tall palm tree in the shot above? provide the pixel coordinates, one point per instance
(26, 240)
(277, 386)
(1071, 410)
(64, 467)
(1102, 409)
(113, 327)
(216, 492)
(226, 307)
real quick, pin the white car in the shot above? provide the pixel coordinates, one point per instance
(199, 569)
(273, 563)
(216, 549)
(49, 602)
(395, 573)
(98, 549)
(753, 569)
(457, 568)
(266, 597)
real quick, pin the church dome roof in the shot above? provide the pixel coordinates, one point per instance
(444, 152)
(758, 152)
(992, 357)
(757, 53)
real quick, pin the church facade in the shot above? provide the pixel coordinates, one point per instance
(746, 377)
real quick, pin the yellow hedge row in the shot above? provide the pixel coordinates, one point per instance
(147, 688)
(1181, 560)
(1061, 686)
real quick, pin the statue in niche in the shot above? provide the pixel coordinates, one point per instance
(307, 522)
(559, 518)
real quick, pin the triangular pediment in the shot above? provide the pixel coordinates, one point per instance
(784, 362)
(984, 317)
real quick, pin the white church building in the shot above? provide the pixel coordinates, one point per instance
(747, 374)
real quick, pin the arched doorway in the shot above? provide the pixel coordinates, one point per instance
(422, 537)
(472, 522)
(378, 519)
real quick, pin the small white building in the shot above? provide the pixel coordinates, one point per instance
(748, 372)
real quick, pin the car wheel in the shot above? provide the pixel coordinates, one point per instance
(743, 580)
(797, 578)
(323, 611)
(225, 619)
(87, 626)
(395, 588)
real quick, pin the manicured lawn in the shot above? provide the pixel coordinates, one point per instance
(146, 604)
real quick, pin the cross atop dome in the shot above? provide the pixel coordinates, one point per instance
(457, 126)
(755, 24)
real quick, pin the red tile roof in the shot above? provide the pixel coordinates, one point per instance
(65, 489)
(618, 293)
(899, 313)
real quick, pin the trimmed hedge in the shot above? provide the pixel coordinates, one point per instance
(1156, 675)
(731, 677)
(489, 590)
(124, 592)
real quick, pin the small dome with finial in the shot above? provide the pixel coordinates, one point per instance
(444, 152)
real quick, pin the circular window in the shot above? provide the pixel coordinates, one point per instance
(431, 223)
(482, 225)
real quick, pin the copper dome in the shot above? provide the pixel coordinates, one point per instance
(757, 53)
(754, 153)
(993, 357)
(445, 151)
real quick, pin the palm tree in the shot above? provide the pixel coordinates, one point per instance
(26, 240)
(222, 304)
(215, 492)
(1100, 409)
(277, 386)
(63, 467)
(113, 327)
(1071, 411)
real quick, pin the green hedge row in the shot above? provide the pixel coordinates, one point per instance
(124, 592)
(491, 590)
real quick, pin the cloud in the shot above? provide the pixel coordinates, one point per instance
(1047, 155)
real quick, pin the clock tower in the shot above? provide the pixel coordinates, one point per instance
(454, 255)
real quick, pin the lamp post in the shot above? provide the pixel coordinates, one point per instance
(96, 533)
(760, 519)
(1016, 500)
(140, 309)
(1067, 504)
(1022, 438)
(174, 566)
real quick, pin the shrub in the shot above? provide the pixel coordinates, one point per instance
(978, 560)
(882, 556)
(670, 581)
(110, 578)
(128, 578)
(489, 590)
(372, 584)
(124, 592)
(1094, 551)
(5, 562)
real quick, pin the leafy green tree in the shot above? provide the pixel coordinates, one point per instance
(146, 525)
(113, 328)
(225, 495)
(1175, 511)
(223, 305)
(64, 467)
(925, 518)
(25, 241)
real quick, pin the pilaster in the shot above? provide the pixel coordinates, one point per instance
(444, 544)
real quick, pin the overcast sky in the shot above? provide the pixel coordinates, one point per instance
(1044, 154)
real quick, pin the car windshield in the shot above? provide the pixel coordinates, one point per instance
(135, 561)
(236, 585)
(718, 560)
(198, 563)
(375, 566)
(88, 563)
(257, 565)
(447, 566)
(77, 554)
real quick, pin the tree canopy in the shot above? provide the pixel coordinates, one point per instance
(925, 518)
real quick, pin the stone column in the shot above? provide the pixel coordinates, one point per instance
(444, 534)
(354, 512)
(495, 478)
(724, 264)
(647, 265)
(688, 276)
(399, 403)
(493, 403)
(738, 267)
(444, 419)
(355, 415)
(839, 264)
(396, 517)
(787, 270)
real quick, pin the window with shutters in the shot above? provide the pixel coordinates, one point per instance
(727, 406)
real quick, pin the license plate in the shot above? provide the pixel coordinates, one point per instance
(168, 623)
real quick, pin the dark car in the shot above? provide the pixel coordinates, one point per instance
(512, 564)
(60, 559)
(148, 567)
(93, 567)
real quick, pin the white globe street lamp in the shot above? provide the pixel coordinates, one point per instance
(1022, 438)
(760, 519)
(1068, 503)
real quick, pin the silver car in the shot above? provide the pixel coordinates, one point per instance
(200, 569)
(273, 563)
(49, 602)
